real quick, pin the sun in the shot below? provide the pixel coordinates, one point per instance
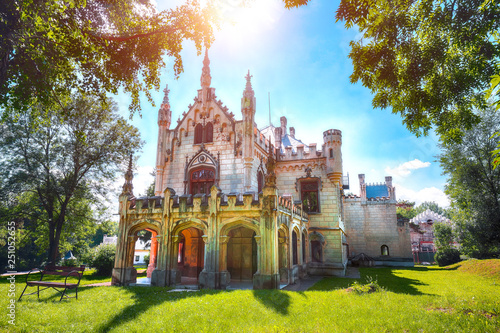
(247, 18)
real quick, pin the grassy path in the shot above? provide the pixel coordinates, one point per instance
(461, 298)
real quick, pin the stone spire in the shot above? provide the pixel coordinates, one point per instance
(248, 100)
(248, 92)
(165, 98)
(206, 79)
(129, 175)
(164, 114)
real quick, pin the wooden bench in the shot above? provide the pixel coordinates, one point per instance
(56, 285)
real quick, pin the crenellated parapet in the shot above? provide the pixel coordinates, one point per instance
(199, 204)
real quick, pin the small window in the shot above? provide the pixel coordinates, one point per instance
(310, 196)
(198, 134)
(137, 258)
(331, 153)
(209, 133)
(384, 249)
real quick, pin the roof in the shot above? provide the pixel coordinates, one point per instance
(286, 141)
(429, 215)
(373, 191)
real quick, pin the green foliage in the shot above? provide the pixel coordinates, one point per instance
(104, 259)
(70, 262)
(443, 236)
(432, 206)
(473, 186)
(447, 256)
(66, 163)
(146, 259)
(429, 61)
(370, 287)
(407, 212)
(53, 48)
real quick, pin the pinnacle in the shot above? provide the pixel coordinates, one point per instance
(205, 72)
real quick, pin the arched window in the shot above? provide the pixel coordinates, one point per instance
(294, 247)
(198, 134)
(209, 133)
(316, 251)
(317, 242)
(303, 248)
(201, 180)
(384, 249)
(260, 181)
(310, 196)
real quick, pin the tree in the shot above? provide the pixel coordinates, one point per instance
(430, 61)
(443, 236)
(446, 254)
(474, 187)
(66, 160)
(53, 48)
(432, 206)
(406, 209)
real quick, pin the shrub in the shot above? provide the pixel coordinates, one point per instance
(70, 262)
(370, 287)
(445, 257)
(146, 259)
(104, 259)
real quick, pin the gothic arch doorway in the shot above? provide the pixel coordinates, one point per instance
(242, 254)
(190, 254)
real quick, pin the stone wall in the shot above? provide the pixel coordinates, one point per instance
(372, 224)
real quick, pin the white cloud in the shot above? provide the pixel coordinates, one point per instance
(404, 169)
(425, 194)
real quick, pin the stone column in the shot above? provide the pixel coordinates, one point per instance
(152, 254)
(174, 273)
(259, 256)
(159, 274)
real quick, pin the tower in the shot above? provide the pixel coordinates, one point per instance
(164, 119)
(333, 151)
(248, 110)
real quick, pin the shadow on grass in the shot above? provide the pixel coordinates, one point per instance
(385, 276)
(145, 298)
(148, 297)
(276, 300)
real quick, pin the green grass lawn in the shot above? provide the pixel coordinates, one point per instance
(461, 298)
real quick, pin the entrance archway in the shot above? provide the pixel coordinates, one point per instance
(242, 254)
(128, 254)
(190, 253)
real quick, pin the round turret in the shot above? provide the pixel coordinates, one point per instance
(333, 143)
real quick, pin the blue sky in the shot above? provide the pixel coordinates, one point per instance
(300, 57)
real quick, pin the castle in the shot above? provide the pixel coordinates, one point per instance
(235, 203)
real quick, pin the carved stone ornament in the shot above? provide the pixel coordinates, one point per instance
(270, 167)
(129, 175)
(308, 176)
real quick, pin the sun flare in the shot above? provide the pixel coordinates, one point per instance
(247, 18)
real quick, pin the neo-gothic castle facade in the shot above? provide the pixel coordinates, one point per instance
(234, 202)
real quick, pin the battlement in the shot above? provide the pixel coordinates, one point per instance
(200, 203)
(332, 132)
